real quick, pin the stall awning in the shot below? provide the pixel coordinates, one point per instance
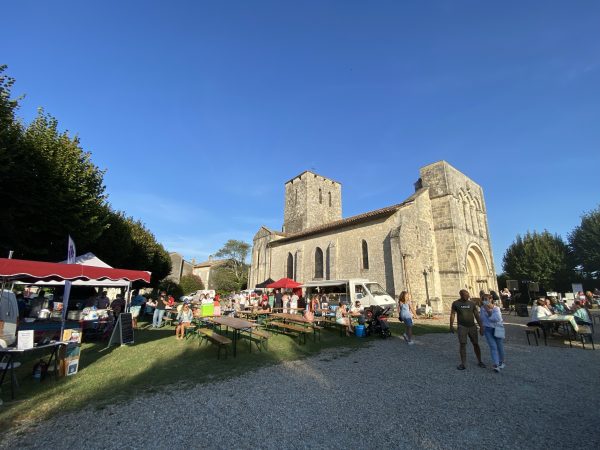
(24, 270)
(284, 283)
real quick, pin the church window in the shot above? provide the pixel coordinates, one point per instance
(318, 263)
(290, 266)
(365, 255)
(330, 199)
(320, 196)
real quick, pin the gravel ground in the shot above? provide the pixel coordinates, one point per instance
(388, 395)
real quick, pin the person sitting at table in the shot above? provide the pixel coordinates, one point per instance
(171, 301)
(582, 317)
(357, 307)
(556, 307)
(184, 320)
(341, 317)
(539, 311)
(216, 307)
(264, 303)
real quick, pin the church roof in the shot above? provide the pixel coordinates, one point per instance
(315, 174)
(365, 217)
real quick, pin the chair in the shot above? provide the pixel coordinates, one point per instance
(583, 332)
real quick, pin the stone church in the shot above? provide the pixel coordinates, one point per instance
(433, 244)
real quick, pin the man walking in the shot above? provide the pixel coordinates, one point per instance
(466, 311)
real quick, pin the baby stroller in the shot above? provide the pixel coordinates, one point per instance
(376, 320)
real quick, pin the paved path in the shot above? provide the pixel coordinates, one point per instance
(389, 395)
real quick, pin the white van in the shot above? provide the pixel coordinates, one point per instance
(368, 292)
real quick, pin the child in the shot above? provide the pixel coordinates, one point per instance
(406, 315)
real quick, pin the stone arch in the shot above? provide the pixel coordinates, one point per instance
(477, 270)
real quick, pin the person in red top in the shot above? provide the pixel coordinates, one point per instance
(171, 300)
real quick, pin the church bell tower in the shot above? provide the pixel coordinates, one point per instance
(311, 200)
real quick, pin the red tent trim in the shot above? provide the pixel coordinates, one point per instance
(24, 270)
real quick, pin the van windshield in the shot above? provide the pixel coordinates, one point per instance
(375, 289)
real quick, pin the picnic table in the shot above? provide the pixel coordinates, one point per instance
(565, 320)
(10, 353)
(237, 325)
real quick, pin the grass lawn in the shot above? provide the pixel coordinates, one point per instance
(156, 361)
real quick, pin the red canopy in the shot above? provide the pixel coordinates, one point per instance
(23, 270)
(284, 283)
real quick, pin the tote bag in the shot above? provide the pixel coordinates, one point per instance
(499, 332)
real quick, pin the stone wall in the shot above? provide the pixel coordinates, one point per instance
(460, 223)
(435, 244)
(311, 200)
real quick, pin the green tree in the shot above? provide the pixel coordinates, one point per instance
(584, 241)
(191, 283)
(127, 243)
(170, 287)
(540, 257)
(224, 280)
(235, 252)
(49, 188)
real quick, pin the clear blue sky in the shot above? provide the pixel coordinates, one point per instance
(200, 111)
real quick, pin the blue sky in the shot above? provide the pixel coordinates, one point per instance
(200, 111)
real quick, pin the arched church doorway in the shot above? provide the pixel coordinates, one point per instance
(477, 271)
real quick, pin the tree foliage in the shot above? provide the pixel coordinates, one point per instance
(584, 241)
(540, 257)
(234, 274)
(191, 283)
(127, 243)
(224, 280)
(50, 188)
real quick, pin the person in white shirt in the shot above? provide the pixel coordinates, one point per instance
(540, 311)
(294, 303)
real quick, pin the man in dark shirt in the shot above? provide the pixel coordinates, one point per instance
(467, 314)
(278, 301)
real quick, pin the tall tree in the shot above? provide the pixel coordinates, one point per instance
(50, 188)
(540, 257)
(584, 241)
(127, 243)
(236, 253)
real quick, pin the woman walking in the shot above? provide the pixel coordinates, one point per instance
(493, 330)
(406, 315)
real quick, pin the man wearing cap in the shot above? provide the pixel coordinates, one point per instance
(466, 311)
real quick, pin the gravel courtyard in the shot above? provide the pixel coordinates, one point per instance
(388, 395)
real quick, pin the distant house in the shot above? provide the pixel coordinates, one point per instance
(180, 268)
(205, 269)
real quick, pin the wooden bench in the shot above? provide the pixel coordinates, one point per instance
(207, 334)
(535, 331)
(302, 331)
(260, 338)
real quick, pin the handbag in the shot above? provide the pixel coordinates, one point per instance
(499, 332)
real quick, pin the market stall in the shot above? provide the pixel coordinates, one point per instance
(66, 335)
